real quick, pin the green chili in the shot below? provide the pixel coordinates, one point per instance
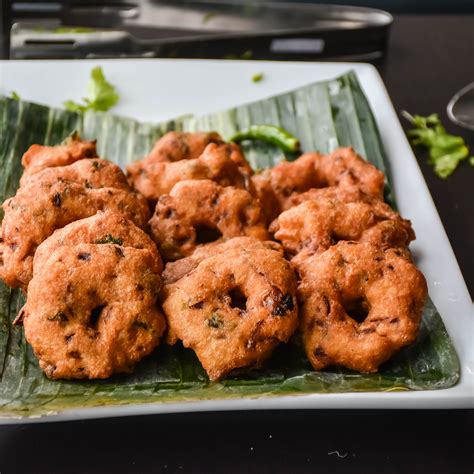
(269, 133)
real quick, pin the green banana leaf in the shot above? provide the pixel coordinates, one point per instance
(324, 116)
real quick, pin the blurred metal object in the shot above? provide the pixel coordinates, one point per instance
(196, 29)
(460, 108)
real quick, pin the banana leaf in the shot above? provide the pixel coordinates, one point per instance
(323, 115)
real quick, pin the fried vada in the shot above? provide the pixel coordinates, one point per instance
(360, 304)
(201, 211)
(233, 309)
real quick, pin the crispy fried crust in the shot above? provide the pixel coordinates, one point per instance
(338, 193)
(176, 270)
(176, 146)
(103, 227)
(39, 157)
(276, 187)
(233, 309)
(41, 207)
(223, 163)
(89, 172)
(91, 310)
(314, 226)
(195, 209)
(358, 278)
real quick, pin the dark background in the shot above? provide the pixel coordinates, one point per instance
(407, 6)
(429, 58)
(376, 442)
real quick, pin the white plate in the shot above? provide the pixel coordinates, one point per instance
(155, 90)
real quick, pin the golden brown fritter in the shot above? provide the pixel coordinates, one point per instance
(176, 270)
(223, 163)
(90, 173)
(176, 146)
(359, 305)
(233, 309)
(39, 208)
(343, 168)
(201, 211)
(314, 226)
(337, 193)
(91, 310)
(106, 227)
(39, 157)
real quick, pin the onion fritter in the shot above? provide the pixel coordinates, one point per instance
(176, 270)
(314, 226)
(91, 310)
(201, 211)
(39, 157)
(233, 309)
(359, 305)
(343, 168)
(223, 163)
(39, 208)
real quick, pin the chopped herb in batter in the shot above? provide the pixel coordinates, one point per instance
(215, 321)
(110, 239)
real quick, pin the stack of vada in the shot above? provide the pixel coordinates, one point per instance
(192, 246)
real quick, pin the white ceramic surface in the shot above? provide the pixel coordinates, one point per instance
(154, 90)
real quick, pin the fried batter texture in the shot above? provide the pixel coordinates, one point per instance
(359, 304)
(221, 162)
(276, 187)
(314, 226)
(233, 309)
(91, 310)
(39, 157)
(200, 211)
(105, 227)
(179, 268)
(44, 205)
(90, 173)
(176, 146)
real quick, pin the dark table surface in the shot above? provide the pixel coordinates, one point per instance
(426, 65)
(429, 58)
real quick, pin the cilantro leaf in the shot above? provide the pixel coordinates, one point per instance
(257, 77)
(446, 151)
(102, 95)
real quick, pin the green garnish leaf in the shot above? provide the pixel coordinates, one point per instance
(446, 151)
(208, 16)
(102, 95)
(110, 239)
(215, 321)
(14, 96)
(471, 160)
(73, 30)
(245, 55)
(257, 77)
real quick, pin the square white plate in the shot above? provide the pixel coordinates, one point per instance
(155, 90)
